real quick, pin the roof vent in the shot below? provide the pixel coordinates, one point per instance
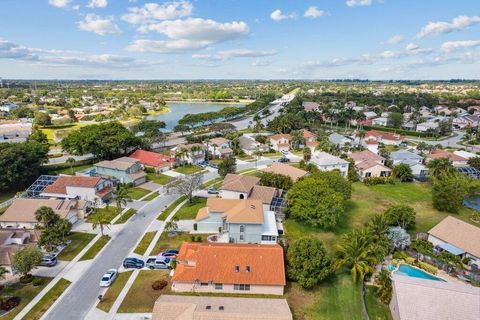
(252, 206)
(221, 308)
(208, 307)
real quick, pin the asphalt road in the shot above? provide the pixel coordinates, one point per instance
(446, 143)
(83, 294)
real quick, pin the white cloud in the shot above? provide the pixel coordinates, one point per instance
(396, 39)
(97, 3)
(314, 12)
(167, 46)
(99, 25)
(235, 53)
(76, 7)
(261, 63)
(277, 15)
(152, 12)
(411, 47)
(59, 3)
(439, 27)
(354, 3)
(450, 46)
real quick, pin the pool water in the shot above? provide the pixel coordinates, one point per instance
(407, 270)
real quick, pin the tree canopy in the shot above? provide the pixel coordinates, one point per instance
(401, 215)
(228, 165)
(279, 181)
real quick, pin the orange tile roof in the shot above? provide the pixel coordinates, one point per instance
(216, 262)
(265, 194)
(60, 186)
(439, 154)
(365, 155)
(234, 210)
(152, 159)
(384, 135)
(308, 134)
(287, 170)
(239, 183)
(279, 136)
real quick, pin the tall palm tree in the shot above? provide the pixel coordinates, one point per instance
(71, 161)
(354, 252)
(101, 220)
(121, 198)
(47, 216)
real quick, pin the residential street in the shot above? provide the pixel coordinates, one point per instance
(451, 142)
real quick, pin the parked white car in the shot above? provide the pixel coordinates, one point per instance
(108, 278)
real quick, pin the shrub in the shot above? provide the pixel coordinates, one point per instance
(9, 303)
(26, 279)
(410, 260)
(199, 239)
(159, 284)
(372, 181)
(192, 238)
(37, 282)
(400, 255)
(427, 267)
(422, 246)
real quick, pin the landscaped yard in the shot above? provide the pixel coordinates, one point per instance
(68, 170)
(272, 154)
(110, 211)
(167, 242)
(144, 243)
(26, 292)
(214, 183)
(136, 193)
(188, 169)
(151, 196)
(189, 210)
(46, 302)
(170, 208)
(112, 293)
(245, 157)
(158, 178)
(127, 215)
(79, 241)
(141, 297)
(97, 246)
(6, 195)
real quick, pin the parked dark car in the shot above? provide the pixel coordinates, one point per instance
(133, 263)
(171, 253)
(283, 159)
(48, 261)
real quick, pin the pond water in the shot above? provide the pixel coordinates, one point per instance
(178, 110)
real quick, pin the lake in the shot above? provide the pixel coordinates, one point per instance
(178, 110)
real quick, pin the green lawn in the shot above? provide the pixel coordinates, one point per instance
(97, 246)
(68, 170)
(127, 215)
(26, 292)
(141, 297)
(112, 293)
(167, 242)
(46, 302)
(273, 154)
(6, 195)
(170, 208)
(337, 298)
(245, 157)
(188, 169)
(110, 211)
(137, 193)
(144, 243)
(189, 210)
(214, 182)
(79, 241)
(151, 197)
(158, 178)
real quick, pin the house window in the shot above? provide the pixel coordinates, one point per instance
(241, 287)
(247, 269)
(237, 269)
(204, 284)
(242, 237)
(269, 238)
(218, 286)
(368, 174)
(242, 228)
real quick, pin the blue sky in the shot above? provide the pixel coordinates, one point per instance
(240, 39)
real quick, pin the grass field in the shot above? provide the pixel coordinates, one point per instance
(79, 241)
(46, 302)
(166, 242)
(170, 208)
(151, 197)
(97, 246)
(144, 243)
(189, 210)
(188, 169)
(6, 195)
(214, 182)
(26, 292)
(68, 170)
(158, 178)
(112, 293)
(127, 215)
(110, 211)
(141, 297)
(137, 193)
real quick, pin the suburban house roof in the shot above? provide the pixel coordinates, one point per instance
(286, 170)
(308, 134)
(217, 262)
(459, 233)
(365, 155)
(174, 307)
(310, 106)
(234, 210)
(405, 155)
(122, 163)
(383, 135)
(218, 141)
(418, 298)
(279, 136)
(189, 146)
(439, 154)
(152, 159)
(336, 138)
(324, 159)
(368, 164)
(239, 183)
(23, 209)
(265, 194)
(61, 184)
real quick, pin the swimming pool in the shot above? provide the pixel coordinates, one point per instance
(407, 270)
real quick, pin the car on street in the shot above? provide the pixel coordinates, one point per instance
(133, 263)
(285, 152)
(212, 190)
(48, 261)
(158, 262)
(171, 253)
(108, 278)
(283, 160)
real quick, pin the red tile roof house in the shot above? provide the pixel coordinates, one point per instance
(310, 139)
(389, 138)
(230, 268)
(157, 161)
(79, 187)
(369, 164)
(456, 160)
(281, 141)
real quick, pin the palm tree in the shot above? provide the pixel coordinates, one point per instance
(71, 161)
(354, 252)
(121, 198)
(47, 216)
(100, 219)
(171, 226)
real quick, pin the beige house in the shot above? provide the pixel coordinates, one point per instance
(171, 307)
(281, 142)
(286, 170)
(230, 268)
(369, 164)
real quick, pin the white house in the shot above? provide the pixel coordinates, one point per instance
(79, 187)
(281, 142)
(413, 160)
(9, 107)
(327, 162)
(219, 147)
(425, 126)
(189, 153)
(381, 121)
(249, 145)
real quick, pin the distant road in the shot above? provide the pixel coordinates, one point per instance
(451, 142)
(63, 159)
